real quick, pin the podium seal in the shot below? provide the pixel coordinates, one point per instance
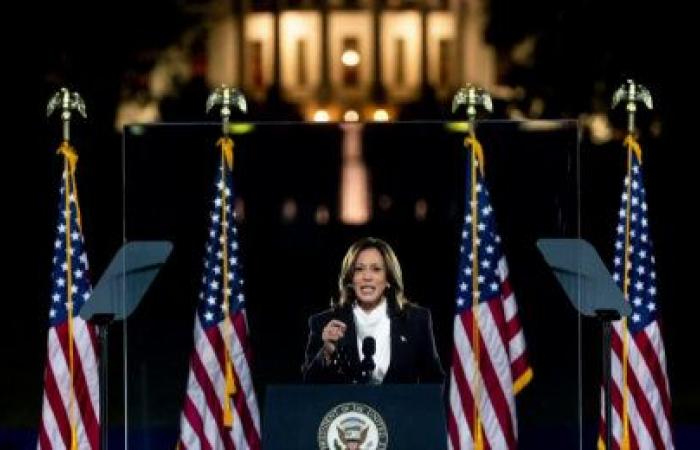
(352, 426)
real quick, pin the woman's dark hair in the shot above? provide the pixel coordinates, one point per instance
(394, 293)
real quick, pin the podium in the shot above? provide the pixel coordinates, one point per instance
(332, 417)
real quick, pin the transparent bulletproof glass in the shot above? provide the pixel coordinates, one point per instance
(302, 193)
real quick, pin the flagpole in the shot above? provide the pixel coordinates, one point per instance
(632, 147)
(69, 303)
(478, 438)
(68, 101)
(226, 143)
(632, 93)
(623, 322)
(474, 97)
(226, 97)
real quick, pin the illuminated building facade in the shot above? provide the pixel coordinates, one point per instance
(344, 59)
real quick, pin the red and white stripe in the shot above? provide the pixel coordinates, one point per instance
(56, 418)
(502, 370)
(201, 423)
(647, 391)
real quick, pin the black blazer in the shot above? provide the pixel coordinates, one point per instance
(414, 358)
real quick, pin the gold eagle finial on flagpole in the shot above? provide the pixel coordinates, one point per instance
(473, 97)
(632, 93)
(67, 101)
(226, 97)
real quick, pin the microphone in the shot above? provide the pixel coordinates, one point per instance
(369, 346)
(367, 365)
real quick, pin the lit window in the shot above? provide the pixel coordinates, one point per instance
(351, 116)
(350, 59)
(380, 115)
(321, 116)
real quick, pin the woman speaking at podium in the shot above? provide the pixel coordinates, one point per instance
(372, 334)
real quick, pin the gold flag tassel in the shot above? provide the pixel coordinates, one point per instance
(472, 142)
(228, 412)
(70, 160)
(476, 160)
(633, 145)
(226, 144)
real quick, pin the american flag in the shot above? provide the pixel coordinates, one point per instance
(484, 378)
(640, 390)
(220, 410)
(70, 411)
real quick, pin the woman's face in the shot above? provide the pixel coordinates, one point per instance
(369, 277)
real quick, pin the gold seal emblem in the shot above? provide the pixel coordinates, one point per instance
(352, 426)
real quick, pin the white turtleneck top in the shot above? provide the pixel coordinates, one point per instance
(375, 323)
